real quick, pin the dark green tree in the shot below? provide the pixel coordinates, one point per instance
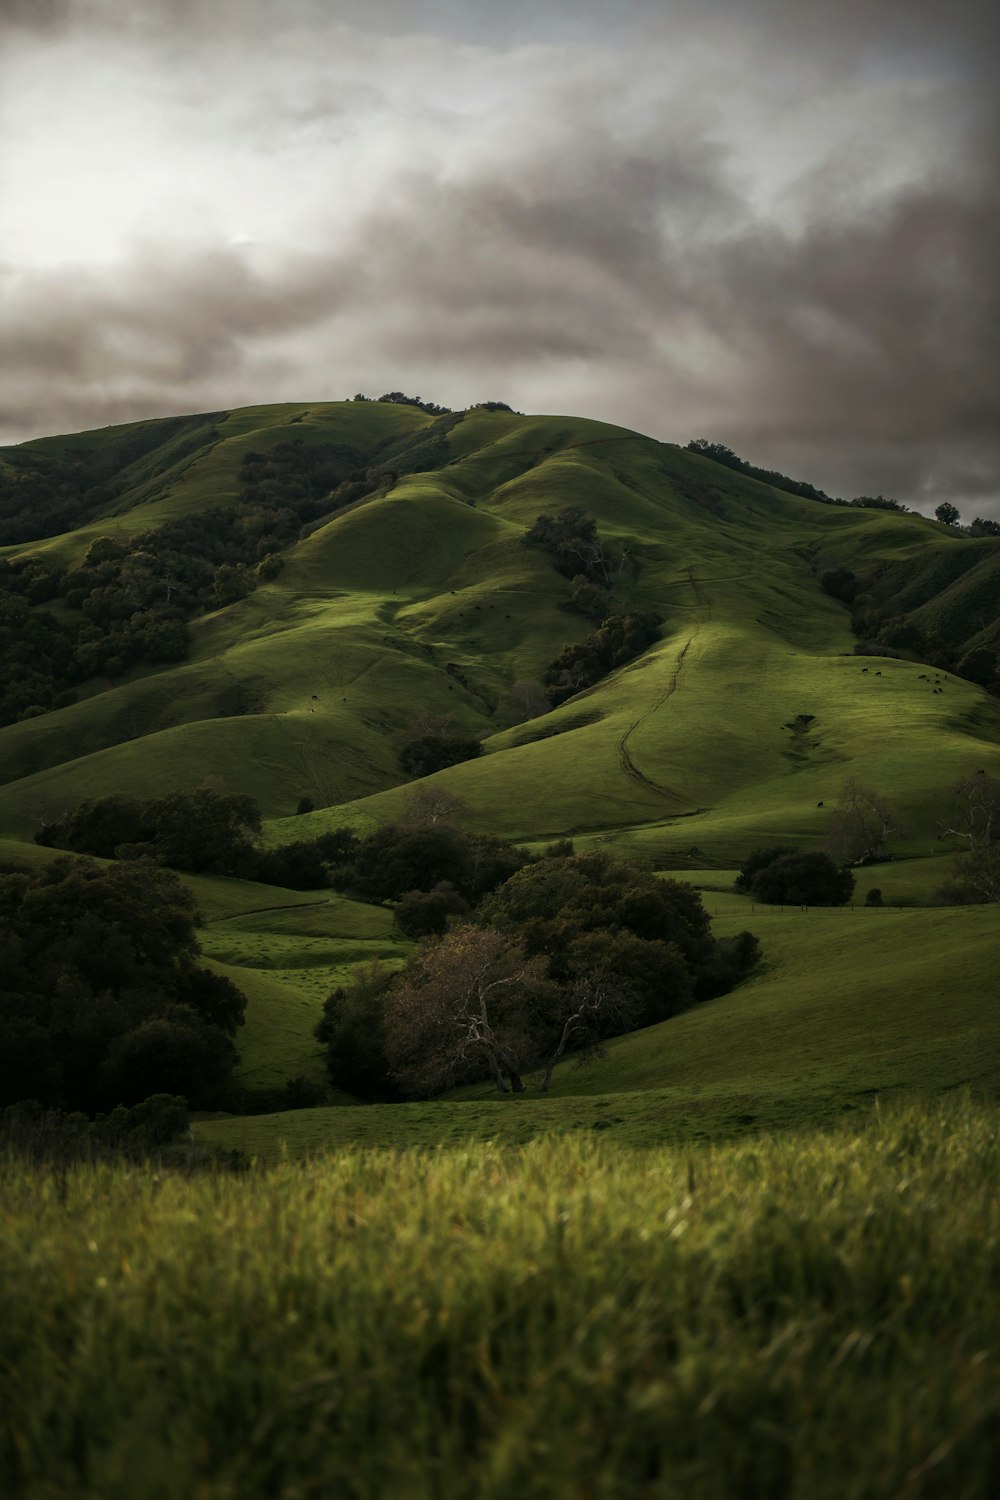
(803, 878)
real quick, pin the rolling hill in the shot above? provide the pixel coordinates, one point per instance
(404, 597)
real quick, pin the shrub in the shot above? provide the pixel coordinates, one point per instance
(803, 879)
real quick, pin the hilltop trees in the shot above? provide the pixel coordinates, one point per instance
(720, 454)
(947, 513)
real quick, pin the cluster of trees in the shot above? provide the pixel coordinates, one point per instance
(862, 823)
(948, 515)
(564, 953)
(102, 1000)
(785, 876)
(879, 502)
(398, 398)
(720, 454)
(201, 831)
(135, 1133)
(618, 639)
(130, 601)
(423, 754)
(570, 538)
(210, 832)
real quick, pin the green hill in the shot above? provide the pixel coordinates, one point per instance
(404, 595)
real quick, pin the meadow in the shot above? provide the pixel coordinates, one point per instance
(749, 1251)
(812, 1315)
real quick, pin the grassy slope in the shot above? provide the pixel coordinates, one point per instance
(803, 1316)
(425, 600)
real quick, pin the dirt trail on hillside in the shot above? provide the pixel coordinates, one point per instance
(625, 761)
(255, 911)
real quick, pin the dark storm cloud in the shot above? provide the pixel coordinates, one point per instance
(603, 249)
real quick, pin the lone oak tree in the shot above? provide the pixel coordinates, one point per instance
(468, 1000)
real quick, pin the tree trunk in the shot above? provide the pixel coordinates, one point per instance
(557, 1054)
(495, 1066)
(515, 1081)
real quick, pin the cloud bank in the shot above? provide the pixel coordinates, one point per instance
(764, 224)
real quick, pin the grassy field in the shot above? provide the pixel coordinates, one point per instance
(813, 1316)
(751, 1251)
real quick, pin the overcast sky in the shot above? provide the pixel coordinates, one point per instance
(772, 223)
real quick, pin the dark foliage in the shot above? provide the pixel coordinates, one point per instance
(130, 601)
(570, 538)
(397, 398)
(759, 860)
(720, 454)
(353, 1033)
(590, 911)
(891, 617)
(619, 639)
(41, 1135)
(425, 913)
(878, 502)
(198, 831)
(400, 858)
(802, 878)
(839, 583)
(568, 951)
(426, 753)
(102, 1001)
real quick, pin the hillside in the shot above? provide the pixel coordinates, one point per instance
(393, 590)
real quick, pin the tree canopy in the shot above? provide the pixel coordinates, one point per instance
(102, 1000)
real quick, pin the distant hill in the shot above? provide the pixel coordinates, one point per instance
(307, 585)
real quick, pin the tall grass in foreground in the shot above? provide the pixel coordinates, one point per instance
(812, 1315)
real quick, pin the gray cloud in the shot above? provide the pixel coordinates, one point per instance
(575, 227)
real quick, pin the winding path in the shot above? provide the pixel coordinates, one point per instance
(625, 761)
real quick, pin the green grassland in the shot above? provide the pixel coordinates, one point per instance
(803, 1316)
(423, 601)
(749, 1251)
